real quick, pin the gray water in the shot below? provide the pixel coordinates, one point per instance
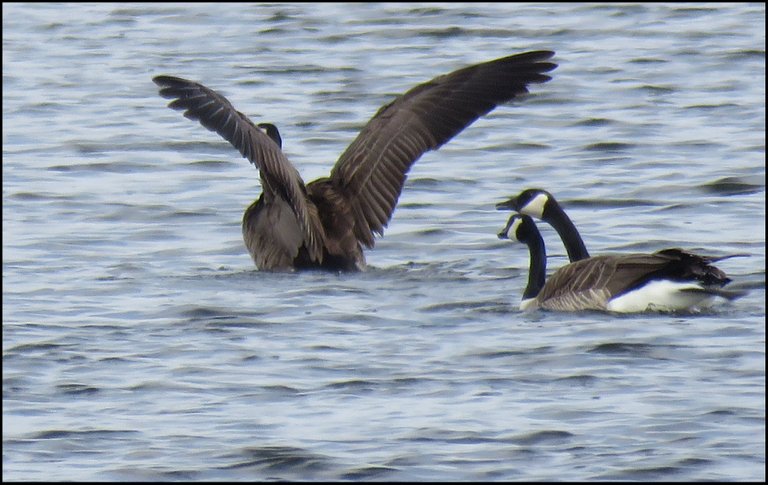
(140, 342)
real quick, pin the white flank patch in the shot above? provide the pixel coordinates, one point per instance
(661, 295)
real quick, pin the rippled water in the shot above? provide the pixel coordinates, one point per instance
(140, 343)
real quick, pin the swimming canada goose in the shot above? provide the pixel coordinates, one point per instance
(667, 280)
(326, 223)
(540, 204)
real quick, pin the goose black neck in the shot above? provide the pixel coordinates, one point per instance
(570, 236)
(537, 270)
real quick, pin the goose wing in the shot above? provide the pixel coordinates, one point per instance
(372, 170)
(589, 284)
(579, 286)
(279, 178)
(689, 266)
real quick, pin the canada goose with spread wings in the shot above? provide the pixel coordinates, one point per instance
(667, 280)
(326, 223)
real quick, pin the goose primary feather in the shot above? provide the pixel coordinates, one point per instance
(327, 223)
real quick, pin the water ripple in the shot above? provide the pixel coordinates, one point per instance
(140, 343)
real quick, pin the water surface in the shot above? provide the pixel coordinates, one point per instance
(140, 343)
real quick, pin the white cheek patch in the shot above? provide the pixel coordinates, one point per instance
(512, 232)
(535, 208)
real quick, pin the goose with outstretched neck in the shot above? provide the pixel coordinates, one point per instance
(541, 205)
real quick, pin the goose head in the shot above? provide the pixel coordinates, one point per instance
(540, 204)
(532, 202)
(272, 132)
(520, 228)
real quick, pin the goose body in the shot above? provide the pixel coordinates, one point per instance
(667, 280)
(327, 223)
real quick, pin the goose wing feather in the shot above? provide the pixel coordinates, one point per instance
(372, 170)
(279, 177)
(592, 283)
(589, 284)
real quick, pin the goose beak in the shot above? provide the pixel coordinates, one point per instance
(508, 204)
(504, 232)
